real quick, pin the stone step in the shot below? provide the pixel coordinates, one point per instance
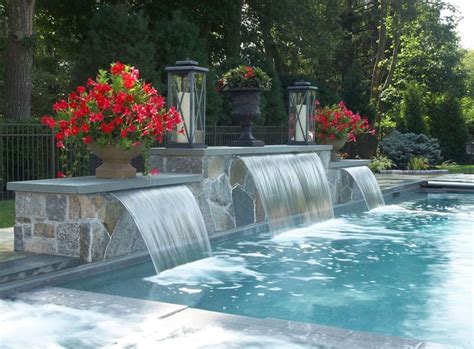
(32, 264)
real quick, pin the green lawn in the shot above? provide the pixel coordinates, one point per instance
(469, 169)
(7, 213)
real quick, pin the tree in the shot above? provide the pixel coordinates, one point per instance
(106, 42)
(448, 126)
(19, 62)
(412, 110)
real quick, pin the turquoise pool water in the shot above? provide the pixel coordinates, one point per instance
(404, 270)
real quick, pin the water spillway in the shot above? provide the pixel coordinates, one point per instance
(171, 224)
(368, 185)
(293, 188)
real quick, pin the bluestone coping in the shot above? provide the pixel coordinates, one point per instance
(348, 163)
(216, 151)
(91, 184)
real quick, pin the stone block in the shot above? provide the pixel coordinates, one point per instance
(99, 240)
(215, 166)
(222, 216)
(184, 165)
(220, 190)
(125, 239)
(29, 204)
(44, 230)
(85, 206)
(85, 242)
(41, 245)
(56, 207)
(249, 185)
(19, 241)
(68, 236)
(238, 172)
(27, 230)
(23, 220)
(244, 207)
(111, 214)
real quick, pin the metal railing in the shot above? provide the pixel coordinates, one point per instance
(27, 150)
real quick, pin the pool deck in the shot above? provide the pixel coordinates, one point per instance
(171, 320)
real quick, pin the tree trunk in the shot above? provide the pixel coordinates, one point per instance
(19, 63)
(377, 69)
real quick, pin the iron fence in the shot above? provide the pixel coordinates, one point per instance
(27, 151)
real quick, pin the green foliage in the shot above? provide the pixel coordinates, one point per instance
(412, 110)
(448, 126)
(245, 77)
(7, 213)
(418, 163)
(401, 147)
(467, 106)
(468, 62)
(109, 39)
(380, 163)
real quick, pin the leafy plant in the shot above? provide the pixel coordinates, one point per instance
(244, 77)
(339, 122)
(418, 163)
(116, 109)
(401, 147)
(380, 163)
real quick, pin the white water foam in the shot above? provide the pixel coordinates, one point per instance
(49, 326)
(212, 271)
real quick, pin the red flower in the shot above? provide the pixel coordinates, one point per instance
(117, 68)
(59, 144)
(128, 81)
(154, 171)
(59, 174)
(249, 72)
(60, 105)
(48, 120)
(87, 139)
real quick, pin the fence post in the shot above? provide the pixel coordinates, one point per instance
(53, 155)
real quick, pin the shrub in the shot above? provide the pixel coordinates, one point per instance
(418, 163)
(380, 163)
(401, 147)
(412, 110)
(449, 126)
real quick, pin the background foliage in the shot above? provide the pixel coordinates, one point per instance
(394, 60)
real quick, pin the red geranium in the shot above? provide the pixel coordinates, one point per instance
(116, 108)
(338, 122)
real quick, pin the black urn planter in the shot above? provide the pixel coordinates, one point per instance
(245, 107)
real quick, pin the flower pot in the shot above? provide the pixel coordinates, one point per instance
(245, 107)
(115, 161)
(337, 145)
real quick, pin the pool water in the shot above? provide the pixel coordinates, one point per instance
(403, 270)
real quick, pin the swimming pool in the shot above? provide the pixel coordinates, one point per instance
(403, 270)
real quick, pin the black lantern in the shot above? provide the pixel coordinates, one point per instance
(187, 93)
(301, 112)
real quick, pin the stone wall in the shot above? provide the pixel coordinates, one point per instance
(227, 195)
(52, 218)
(92, 227)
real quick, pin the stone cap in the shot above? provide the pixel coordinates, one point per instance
(216, 151)
(91, 184)
(349, 163)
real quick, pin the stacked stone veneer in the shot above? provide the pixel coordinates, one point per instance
(92, 226)
(96, 226)
(227, 195)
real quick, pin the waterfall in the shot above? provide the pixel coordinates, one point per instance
(171, 224)
(293, 188)
(368, 185)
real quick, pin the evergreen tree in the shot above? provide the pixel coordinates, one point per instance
(448, 126)
(117, 35)
(412, 110)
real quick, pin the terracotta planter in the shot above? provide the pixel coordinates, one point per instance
(245, 108)
(115, 161)
(337, 145)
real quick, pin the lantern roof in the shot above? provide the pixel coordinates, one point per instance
(302, 86)
(187, 65)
